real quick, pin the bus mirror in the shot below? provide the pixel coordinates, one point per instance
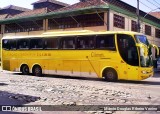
(156, 47)
(139, 45)
(143, 49)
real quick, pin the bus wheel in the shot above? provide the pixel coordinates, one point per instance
(25, 69)
(110, 75)
(37, 70)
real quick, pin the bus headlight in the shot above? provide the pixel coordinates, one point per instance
(144, 72)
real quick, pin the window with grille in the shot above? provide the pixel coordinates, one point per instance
(119, 21)
(157, 33)
(76, 21)
(148, 30)
(24, 26)
(134, 26)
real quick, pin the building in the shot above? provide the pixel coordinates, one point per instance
(50, 4)
(155, 14)
(96, 15)
(11, 10)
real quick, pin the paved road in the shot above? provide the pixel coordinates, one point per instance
(16, 89)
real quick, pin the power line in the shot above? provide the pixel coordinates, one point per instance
(152, 3)
(156, 2)
(145, 5)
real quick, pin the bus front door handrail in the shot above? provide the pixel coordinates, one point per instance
(156, 47)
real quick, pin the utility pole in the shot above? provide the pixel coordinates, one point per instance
(138, 17)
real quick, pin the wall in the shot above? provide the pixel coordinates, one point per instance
(128, 20)
(152, 39)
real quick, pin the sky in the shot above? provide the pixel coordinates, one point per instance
(145, 5)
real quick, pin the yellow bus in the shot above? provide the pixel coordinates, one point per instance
(109, 55)
(159, 50)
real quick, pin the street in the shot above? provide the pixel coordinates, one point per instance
(17, 89)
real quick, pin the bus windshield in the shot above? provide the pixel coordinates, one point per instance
(129, 52)
(145, 59)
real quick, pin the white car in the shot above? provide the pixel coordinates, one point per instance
(158, 63)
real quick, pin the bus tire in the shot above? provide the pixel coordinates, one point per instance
(37, 70)
(25, 69)
(110, 75)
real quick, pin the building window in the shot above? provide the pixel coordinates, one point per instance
(119, 21)
(24, 26)
(148, 30)
(76, 21)
(157, 33)
(134, 26)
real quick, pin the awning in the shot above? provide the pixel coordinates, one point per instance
(56, 14)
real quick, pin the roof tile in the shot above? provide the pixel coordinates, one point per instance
(32, 12)
(2, 17)
(156, 14)
(84, 4)
(15, 8)
(52, 1)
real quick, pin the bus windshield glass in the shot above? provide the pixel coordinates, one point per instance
(145, 60)
(142, 39)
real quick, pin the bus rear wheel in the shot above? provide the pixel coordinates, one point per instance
(110, 75)
(37, 70)
(25, 69)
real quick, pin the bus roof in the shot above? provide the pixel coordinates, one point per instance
(72, 33)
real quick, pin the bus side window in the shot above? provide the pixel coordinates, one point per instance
(13, 44)
(68, 43)
(81, 43)
(91, 43)
(36, 43)
(105, 42)
(85, 42)
(50, 43)
(127, 49)
(6, 44)
(23, 44)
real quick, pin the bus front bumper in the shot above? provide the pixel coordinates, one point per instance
(146, 73)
